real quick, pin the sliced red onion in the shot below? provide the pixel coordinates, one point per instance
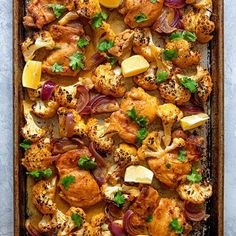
(69, 124)
(47, 90)
(83, 98)
(175, 3)
(116, 229)
(99, 176)
(99, 159)
(191, 109)
(113, 212)
(94, 61)
(63, 145)
(32, 231)
(194, 212)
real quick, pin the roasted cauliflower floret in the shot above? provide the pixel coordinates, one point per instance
(43, 39)
(172, 91)
(168, 211)
(38, 156)
(169, 114)
(87, 8)
(185, 56)
(44, 195)
(109, 191)
(147, 80)
(123, 45)
(196, 193)
(99, 224)
(200, 24)
(151, 146)
(202, 4)
(143, 103)
(132, 9)
(109, 81)
(101, 133)
(71, 123)
(45, 109)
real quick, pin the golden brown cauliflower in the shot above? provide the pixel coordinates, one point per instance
(143, 103)
(167, 212)
(169, 114)
(200, 24)
(109, 81)
(71, 123)
(196, 193)
(99, 223)
(87, 8)
(44, 195)
(202, 4)
(123, 45)
(147, 80)
(101, 133)
(38, 156)
(185, 56)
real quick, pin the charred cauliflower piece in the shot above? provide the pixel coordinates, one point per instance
(185, 56)
(147, 80)
(109, 81)
(195, 193)
(87, 8)
(71, 123)
(101, 133)
(123, 45)
(45, 109)
(202, 4)
(200, 24)
(43, 39)
(99, 223)
(43, 196)
(169, 114)
(143, 103)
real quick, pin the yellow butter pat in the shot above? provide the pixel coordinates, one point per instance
(110, 3)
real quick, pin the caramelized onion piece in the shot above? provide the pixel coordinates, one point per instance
(175, 3)
(194, 212)
(84, 97)
(94, 61)
(116, 229)
(99, 159)
(69, 124)
(31, 229)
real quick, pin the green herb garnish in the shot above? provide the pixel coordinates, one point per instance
(168, 165)
(67, 180)
(111, 59)
(149, 218)
(194, 177)
(153, 1)
(182, 155)
(58, 9)
(39, 174)
(140, 120)
(170, 54)
(189, 84)
(87, 163)
(77, 61)
(82, 43)
(119, 199)
(77, 219)
(140, 18)
(141, 135)
(189, 36)
(162, 76)
(105, 45)
(56, 68)
(98, 19)
(176, 226)
(25, 144)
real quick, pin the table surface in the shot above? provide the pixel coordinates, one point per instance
(6, 133)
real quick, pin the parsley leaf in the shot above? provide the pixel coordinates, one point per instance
(56, 68)
(195, 177)
(105, 45)
(141, 121)
(141, 135)
(149, 218)
(119, 199)
(182, 155)
(82, 43)
(58, 9)
(132, 114)
(87, 163)
(140, 18)
(25, 144)
(189, 36)
(189, 84)
(176, 226)
(98, 19)
(162, 76)
(153, 1)
(112, 60)
(39, 174)
(170, 54)
(67, 180)
(77, 219)
(77, 61)
(168, 165)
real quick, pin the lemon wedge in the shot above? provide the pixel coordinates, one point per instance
(194, 121)
(32, 74)
(134, 65)
(110, 3)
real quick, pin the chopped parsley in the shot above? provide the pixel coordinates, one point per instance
(98, 19)
(77, 219)
(168, 165)
(149, 218)
(82, 43)
(189, 36)
(194, 177)
(39, 174)
(162, 76)
(141, 135)
(111, 59)
(176, 226)
(140, 18)
(119, 199)
(105, 45)
(58, 9)
(189, 84)
(153, 1)
(56, 68)
(86, 163)
(76, 61)
(140, 120)
(67, 180)
(182, 155)
(25, 144)
(170, 54)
